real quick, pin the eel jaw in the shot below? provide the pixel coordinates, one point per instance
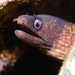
(32, 39)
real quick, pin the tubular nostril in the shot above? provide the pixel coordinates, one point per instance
(14, 20)
(18, 21)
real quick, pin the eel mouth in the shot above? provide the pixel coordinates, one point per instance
(26, 30)
(29, 37)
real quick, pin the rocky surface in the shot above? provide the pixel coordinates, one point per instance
(68, 67)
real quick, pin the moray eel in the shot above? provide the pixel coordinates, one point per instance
(52, 35)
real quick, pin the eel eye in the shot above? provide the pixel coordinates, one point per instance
(37, 24)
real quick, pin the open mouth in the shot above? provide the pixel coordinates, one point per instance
(28, 31)
(29, 37)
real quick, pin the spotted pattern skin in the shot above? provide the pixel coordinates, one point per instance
(58, 34)
(64, 43)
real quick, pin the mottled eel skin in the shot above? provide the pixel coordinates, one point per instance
(53, 36)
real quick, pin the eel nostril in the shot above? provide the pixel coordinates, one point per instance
(14, 20)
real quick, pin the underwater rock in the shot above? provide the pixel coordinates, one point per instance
(68, 67)
(5, 2)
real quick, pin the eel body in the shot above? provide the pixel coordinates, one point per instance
(52, 35)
